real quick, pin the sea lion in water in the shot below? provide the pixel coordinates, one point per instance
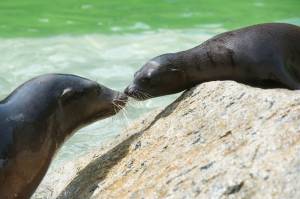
(37, 117)
(264, 55)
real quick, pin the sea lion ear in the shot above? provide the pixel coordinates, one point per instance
(66, 93)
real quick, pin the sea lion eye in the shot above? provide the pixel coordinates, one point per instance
(145, 79)
(67, 91)
(67, 94)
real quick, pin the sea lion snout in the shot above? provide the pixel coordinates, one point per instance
(133, 91)
(120, 100)
(129, 90)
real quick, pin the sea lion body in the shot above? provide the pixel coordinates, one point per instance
(35, 120)
(266, 55)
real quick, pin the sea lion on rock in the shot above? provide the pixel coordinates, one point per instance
(35, 120)
(264, 55)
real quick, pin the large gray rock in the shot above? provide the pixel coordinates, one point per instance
(218, 140)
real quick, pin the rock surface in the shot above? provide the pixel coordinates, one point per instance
(218, 140)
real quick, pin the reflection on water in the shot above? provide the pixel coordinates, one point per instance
(111, 60)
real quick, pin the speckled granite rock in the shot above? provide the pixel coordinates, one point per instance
(218, 140)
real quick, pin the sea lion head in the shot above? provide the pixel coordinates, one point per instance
(67, 100)
(85, 101)
(159, 76)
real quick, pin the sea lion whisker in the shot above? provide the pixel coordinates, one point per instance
(115, 106)
(125, 114)
(147, 95)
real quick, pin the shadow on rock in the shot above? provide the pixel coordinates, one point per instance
(87, 180)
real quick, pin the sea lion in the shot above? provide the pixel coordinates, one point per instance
(264, 55)
(37, 117)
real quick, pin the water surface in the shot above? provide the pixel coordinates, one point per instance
(32, 18)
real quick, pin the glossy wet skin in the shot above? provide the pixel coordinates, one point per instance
(159, 76)
(263, 55)
(36, 119)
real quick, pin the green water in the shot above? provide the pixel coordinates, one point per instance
(32, 18)
(108, 40)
